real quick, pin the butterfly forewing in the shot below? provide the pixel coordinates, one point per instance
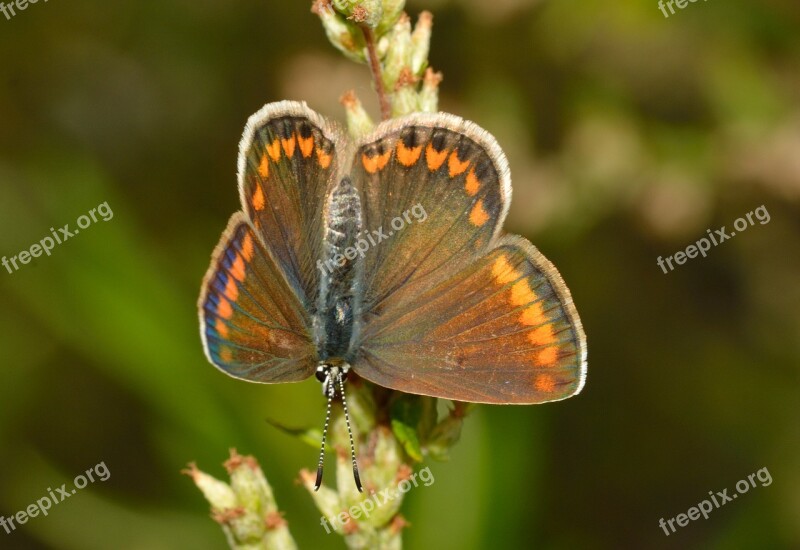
(287, 160)
(439, 166)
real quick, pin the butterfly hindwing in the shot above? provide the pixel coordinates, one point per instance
(287, 159)
(252, 324)
(436, 188)
(503, 330)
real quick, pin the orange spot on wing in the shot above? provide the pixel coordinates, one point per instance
(224, 309)
(225, 354)
(455, 166)
(478, 216)
(232, 290)
(263, 167)
(435, 158)
(258, 198)
(503, 272)
(545, 383)
(521, 294)
(237, 269)
(288, 146)
(373, 164)
(408, 156)
(306, 145)
(274, 150)
(323, 158)
(542, 336)
(222, 328)
(533, 316)
(247, 247)
(547, 357)
(472, 185)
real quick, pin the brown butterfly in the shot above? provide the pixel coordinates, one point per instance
(386, 257)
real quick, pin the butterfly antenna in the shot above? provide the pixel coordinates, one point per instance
(356, 477)
(331, 390)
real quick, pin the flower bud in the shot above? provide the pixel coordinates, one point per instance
(392, 9)
(250, 485)
(429, 95)
(218, 493)
(362, 12)
(343, 34)
(398, 55)
(359, 124)
(405, 99)
(421, 42)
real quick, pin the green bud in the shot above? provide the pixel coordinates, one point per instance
(421, 42)
(343, 34)
(382, 474)
(362, 12)
(277, 536)
(429, 95)
(218, 493)
(359, 400)
(246, 528)
(345, 484)
(246, 508)
(405, 101)
(250, 485)
(345, 7)
(392, 9)
(398, 55)
(326, 499)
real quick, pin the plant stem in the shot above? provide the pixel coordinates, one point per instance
(377, 77)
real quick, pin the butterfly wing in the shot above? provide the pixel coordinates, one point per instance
(287, 160)
(252, 324)
(426, 164)
(259, 294)
(452, 309)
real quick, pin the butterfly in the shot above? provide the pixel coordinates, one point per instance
(316, 276)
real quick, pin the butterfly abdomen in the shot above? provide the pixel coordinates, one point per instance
(340, 269)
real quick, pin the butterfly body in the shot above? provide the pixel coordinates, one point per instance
(339, 297)
(386, 256)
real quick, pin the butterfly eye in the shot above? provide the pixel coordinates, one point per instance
(321, 373)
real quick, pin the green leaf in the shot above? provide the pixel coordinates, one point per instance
(405, 415)
(312, 436)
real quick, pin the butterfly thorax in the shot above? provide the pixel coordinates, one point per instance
(338, 309)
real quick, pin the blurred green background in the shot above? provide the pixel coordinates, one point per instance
(628, 134)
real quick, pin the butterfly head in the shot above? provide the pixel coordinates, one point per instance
(329, 372)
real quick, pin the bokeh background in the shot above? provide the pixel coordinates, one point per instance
(629, 135)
